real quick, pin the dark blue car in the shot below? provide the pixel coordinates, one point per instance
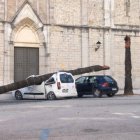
(96, 85)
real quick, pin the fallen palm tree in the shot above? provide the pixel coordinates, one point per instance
(38, 79)
(128, 88)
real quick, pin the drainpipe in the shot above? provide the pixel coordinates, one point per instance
(81, 32)
(3, 52)
(104, 35)
(49, 10)
(5, 9)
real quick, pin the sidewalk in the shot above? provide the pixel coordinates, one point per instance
(135, 91)
(6, 96)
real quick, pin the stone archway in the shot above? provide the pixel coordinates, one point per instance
(27, 41)
(26, 37)
(25, 21)
(32, 26)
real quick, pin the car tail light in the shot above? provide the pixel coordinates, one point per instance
(58, 85)
(105, 84)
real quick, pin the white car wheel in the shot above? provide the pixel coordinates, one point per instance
(18, 95)
(51, 96)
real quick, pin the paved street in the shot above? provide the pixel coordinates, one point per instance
(88, 118)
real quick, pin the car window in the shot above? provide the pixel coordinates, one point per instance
(100, 79)
(108, 79)
(50, 81)
(81, 80)
(92, 79)
(66, 78)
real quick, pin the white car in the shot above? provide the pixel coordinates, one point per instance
(59, 85)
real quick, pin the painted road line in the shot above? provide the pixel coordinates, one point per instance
(44, 134)
(118, 113)
(136, 117)
(55, 106)
(128, 114)
(89, 118)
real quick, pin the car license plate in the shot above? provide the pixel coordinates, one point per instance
(114, 89)
(65, 90)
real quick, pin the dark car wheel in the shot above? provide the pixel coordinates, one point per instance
(110, 94)
(51, 96)
(97, 93)
(18, 95)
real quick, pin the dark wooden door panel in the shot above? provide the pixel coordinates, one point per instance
(26, 62)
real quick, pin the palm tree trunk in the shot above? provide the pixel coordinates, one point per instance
(38, 79)
(128, 89)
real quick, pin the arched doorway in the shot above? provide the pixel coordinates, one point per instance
(26, 53)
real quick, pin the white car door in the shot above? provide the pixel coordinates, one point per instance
(39, 91)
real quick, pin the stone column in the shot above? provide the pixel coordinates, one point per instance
(1, 53)
(84, 34)
(8, 61)
(84, 47)
(107, 49)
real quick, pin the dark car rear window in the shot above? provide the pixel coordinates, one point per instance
(108, 79)
(105, 79)
(65, 78)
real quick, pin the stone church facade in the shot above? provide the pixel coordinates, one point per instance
(42, 36)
